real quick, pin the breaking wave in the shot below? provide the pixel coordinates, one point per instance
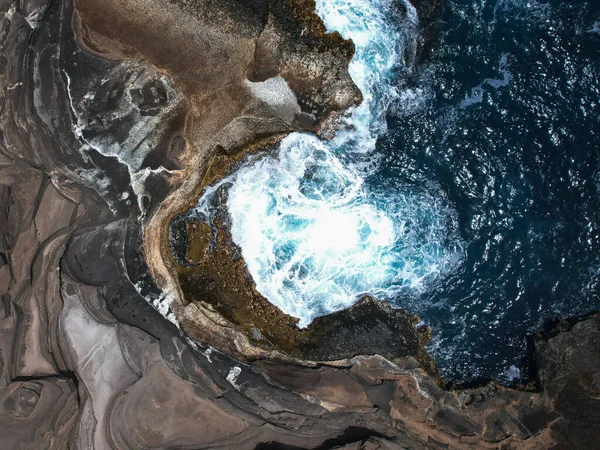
(315, 235)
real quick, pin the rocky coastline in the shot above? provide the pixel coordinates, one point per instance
(120, 327)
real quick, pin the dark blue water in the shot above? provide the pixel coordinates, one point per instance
(465, 187)
(506, 126)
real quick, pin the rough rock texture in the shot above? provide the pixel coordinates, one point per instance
(568, 360)
(213, 276)
(102, 140)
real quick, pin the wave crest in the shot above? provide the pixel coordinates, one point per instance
(315, 236)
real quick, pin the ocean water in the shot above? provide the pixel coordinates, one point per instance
(464, 188)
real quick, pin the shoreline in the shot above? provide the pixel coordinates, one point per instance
(88, 359)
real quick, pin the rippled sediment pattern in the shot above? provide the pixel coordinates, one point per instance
(465, 190)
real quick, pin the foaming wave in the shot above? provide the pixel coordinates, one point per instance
(380, 48)
(314, 235)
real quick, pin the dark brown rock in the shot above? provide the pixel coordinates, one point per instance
(569, 371)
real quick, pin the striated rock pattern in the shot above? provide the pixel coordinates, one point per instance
(110, 113)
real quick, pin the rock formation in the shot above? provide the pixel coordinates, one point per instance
(112, 113)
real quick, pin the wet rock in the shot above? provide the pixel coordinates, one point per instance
(150, 98)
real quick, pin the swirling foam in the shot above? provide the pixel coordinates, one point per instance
(314, 235)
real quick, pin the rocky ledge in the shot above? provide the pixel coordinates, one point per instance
(113, 116)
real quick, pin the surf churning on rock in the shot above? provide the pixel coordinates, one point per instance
(314, 237)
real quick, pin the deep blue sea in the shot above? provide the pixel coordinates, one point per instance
(509, 132)
(465, 188)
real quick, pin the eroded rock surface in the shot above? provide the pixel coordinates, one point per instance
(105, 136)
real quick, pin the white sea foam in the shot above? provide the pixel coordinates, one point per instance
(314, 235)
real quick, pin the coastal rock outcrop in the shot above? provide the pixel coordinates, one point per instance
(110, 114)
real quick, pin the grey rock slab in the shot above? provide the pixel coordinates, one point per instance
(54, 213)
(95, 351)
